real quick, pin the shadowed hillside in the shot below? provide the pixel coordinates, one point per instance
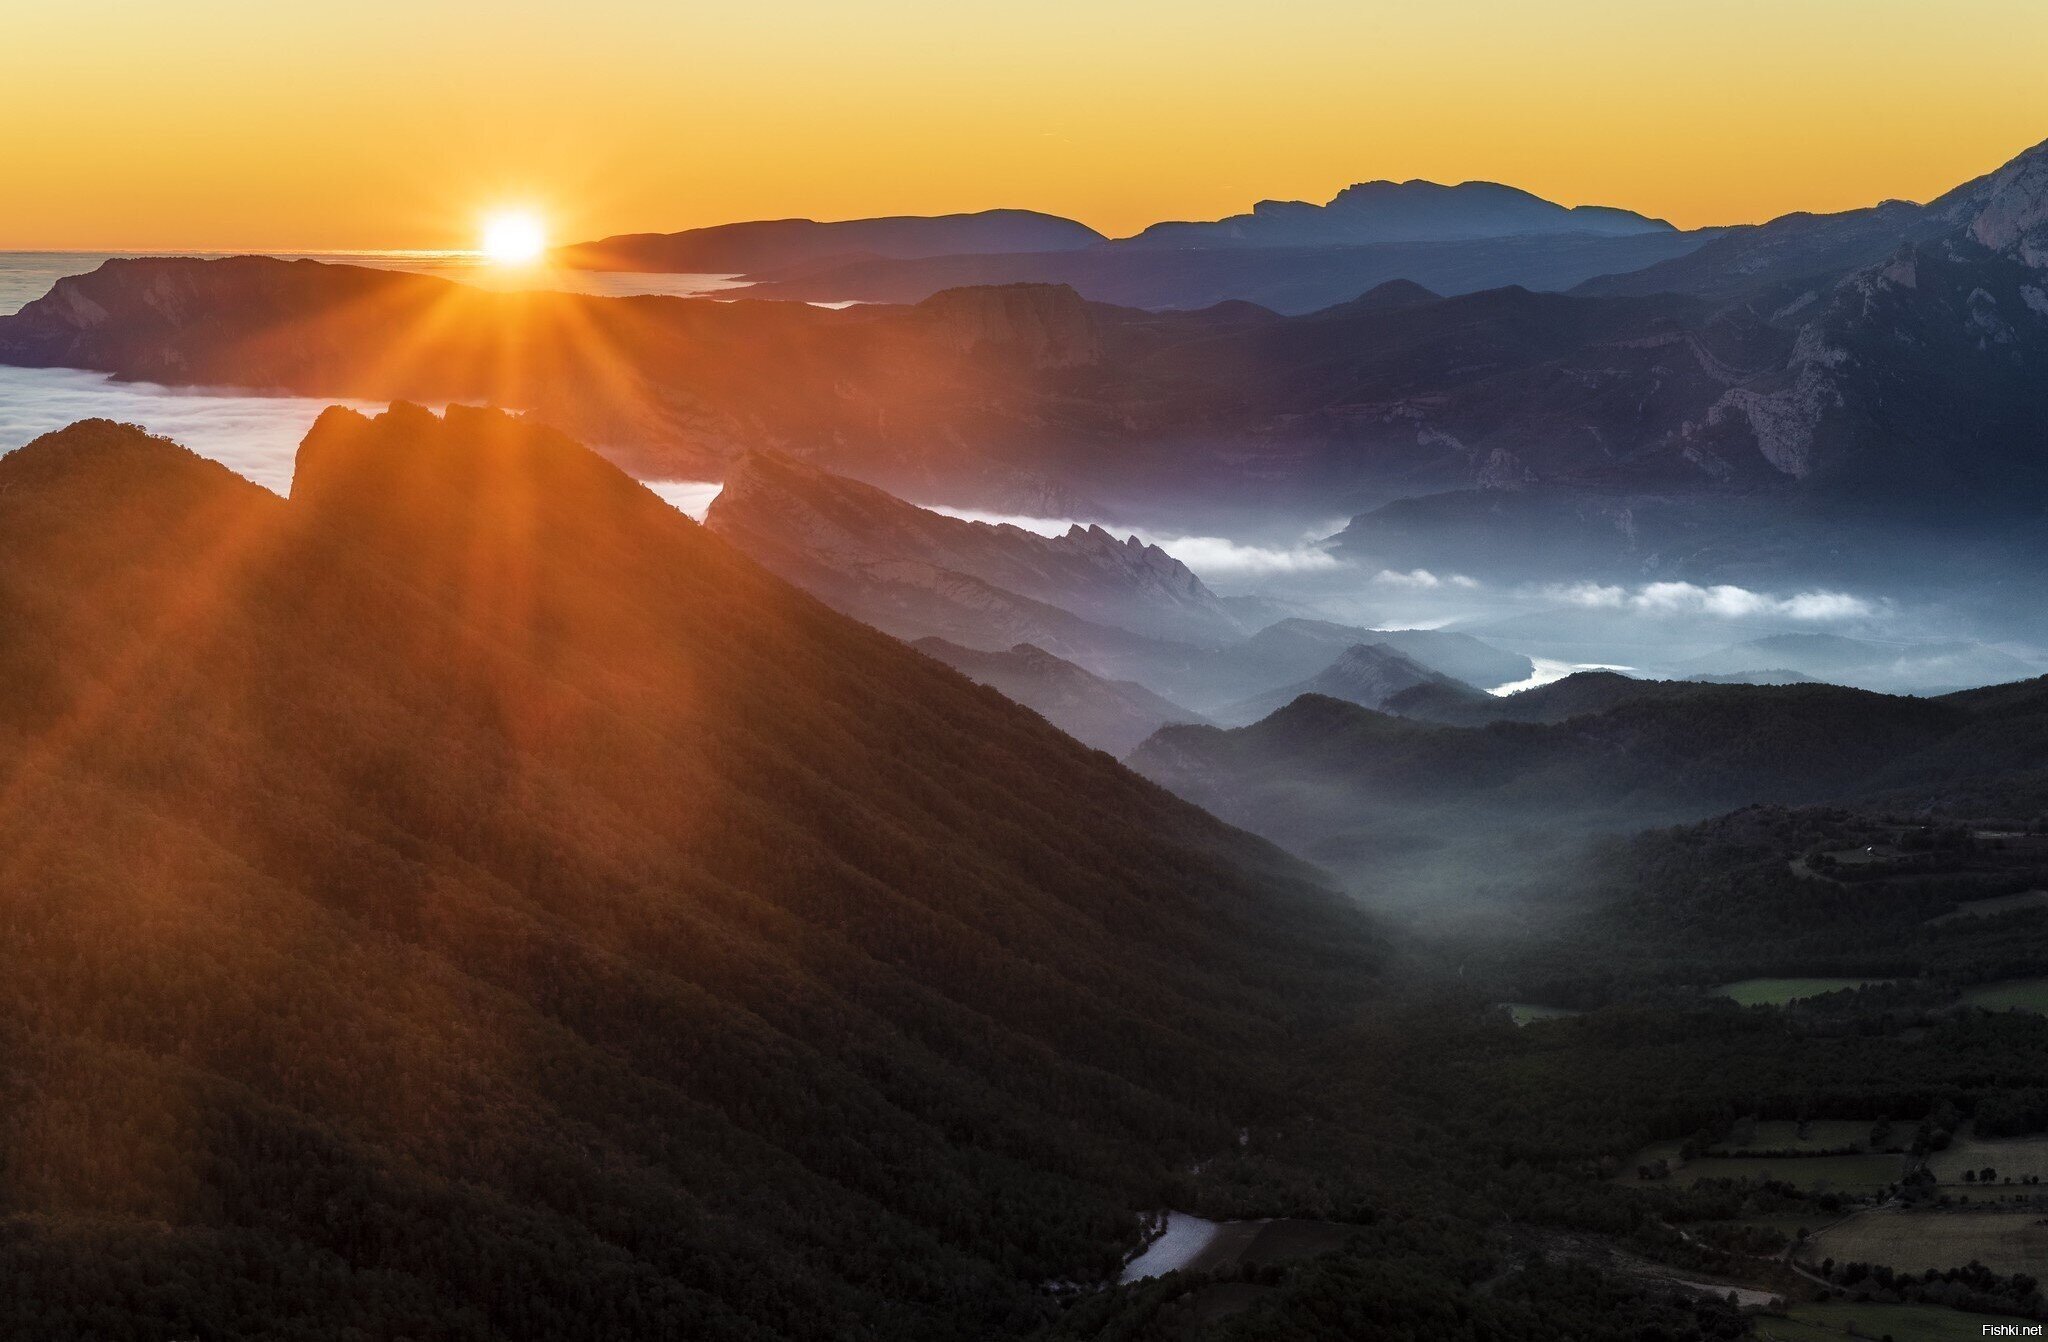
(469, 900)
(1357, 789)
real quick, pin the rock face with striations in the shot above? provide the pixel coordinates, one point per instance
(829, 532)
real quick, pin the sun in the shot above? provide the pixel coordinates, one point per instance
(514, 237)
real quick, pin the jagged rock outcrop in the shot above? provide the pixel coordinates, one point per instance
(796, 517)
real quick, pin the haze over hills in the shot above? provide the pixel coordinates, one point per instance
(1369, 794)
(475, 873)
(1367, 674)
(1122, 609)
(1291, 280)
(1106, 632)
(1580, 694)
(1892, 667)
(1110, 715)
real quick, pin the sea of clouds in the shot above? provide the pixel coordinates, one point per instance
(254, 436)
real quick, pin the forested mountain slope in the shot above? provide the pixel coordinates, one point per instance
(1356, 789)
(468, 900)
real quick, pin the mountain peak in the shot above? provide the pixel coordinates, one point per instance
(469, 458)
(2012, 208)
(1416, 210)
(1388, 297)
(93, 446)
(117, 490)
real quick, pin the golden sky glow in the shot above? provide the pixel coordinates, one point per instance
(231, 123)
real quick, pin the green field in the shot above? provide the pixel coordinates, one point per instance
(1779, 992)
(1915, 1241)
(1522, 1013)
(1833, 1319)
(2012, 1157)
(2011, 994)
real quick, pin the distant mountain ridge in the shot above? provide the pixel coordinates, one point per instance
(1366, 674)
(1894, 667)
(1412, 211)
(1288, 280)
(1362, 791)
(1289, 255)
(769, 244)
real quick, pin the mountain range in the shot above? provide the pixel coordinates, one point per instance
(1874, 419)
(470, 900)
(1285, 279)
(1291, 256)
(1411, 211)
(1096, 633)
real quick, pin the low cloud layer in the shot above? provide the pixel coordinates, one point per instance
(1422, 580)
(1724, 600)
(691, 497)
(257, 437)
(1216, 554)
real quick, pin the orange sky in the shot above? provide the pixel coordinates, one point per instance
(230, 123)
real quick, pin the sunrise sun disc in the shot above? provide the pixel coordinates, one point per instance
(514, 238)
